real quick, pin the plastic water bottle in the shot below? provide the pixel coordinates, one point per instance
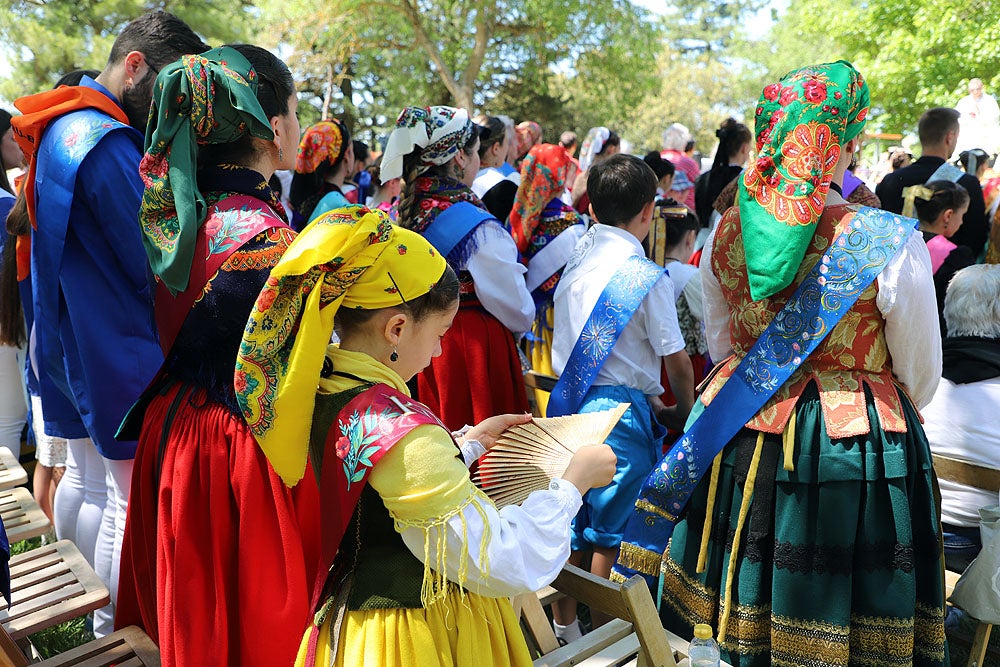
(704, 650)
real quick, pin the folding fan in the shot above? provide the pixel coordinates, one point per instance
(528, 456)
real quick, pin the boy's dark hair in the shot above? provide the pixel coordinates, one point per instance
(935, 123)
(619, 187)
(361, 150)
(660, 166)
(160, 36)
(946, 195)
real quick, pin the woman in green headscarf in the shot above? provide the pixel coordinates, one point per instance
(815, 539)
(219, 555)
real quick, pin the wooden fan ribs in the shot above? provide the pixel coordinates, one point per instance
(528, 456)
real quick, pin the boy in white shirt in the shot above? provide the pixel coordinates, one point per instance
(606, 272)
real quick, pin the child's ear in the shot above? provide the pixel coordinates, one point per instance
(647, 210)
(947, 215)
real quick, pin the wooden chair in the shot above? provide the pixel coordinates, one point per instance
(128, 647)
(22, 517)
(980, 477)
(49, 585)
(635, 630)
(11, 472)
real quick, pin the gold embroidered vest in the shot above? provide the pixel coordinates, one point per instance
(854, 355)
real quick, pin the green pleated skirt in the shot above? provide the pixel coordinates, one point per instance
(838, 562)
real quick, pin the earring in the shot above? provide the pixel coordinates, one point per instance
(281, 153)
(394, 356)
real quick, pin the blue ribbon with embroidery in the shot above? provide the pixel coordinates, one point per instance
(847, 268)
(614, 308)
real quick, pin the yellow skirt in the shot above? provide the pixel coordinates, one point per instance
(469, 631)
(540, 353)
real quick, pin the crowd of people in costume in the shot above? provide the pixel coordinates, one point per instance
(267, 357)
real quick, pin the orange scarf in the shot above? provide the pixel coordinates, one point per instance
(37, 112)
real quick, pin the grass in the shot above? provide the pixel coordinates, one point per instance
(59, 638)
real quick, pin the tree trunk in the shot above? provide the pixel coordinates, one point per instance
(327, 92)
(350, 116)
(463, 98)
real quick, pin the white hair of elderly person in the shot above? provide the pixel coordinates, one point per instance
(676, 137)
(968, 390)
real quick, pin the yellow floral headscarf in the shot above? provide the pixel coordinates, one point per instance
(352, 257)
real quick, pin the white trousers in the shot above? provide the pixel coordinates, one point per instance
(90, 509)
(13, 401)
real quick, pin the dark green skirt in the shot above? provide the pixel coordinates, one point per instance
(839, 562)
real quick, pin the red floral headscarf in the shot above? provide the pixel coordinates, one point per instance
(324, 141)
(802, 122)
(543, 178)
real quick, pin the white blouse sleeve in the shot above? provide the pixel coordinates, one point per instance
(715, 307)
(499, 278)
(907, 301)
(695, 300)
(527, 547)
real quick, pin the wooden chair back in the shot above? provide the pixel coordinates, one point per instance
(979, 477)
(10, 653)
(635, 629)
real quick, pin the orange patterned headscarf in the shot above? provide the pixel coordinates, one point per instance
(323, 142)
(543, 178)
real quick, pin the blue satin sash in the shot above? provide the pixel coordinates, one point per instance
(847, 268)
(453, 225)
(613, 310)
(66, 142)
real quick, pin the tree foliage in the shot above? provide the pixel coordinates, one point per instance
(501, 55)
(915, 54)
(42, 40)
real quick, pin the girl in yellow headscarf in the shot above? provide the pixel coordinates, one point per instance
(420, 563)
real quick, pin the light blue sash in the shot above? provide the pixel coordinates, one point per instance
(453, 225)
(946, 172)
(831, 288)
(614, 308)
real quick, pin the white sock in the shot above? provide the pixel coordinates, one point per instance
(568, 633)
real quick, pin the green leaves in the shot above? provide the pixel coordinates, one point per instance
(44, 40)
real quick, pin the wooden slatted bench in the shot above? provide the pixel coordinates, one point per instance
(22, 517)
(49, 585)
(11, 472)
(128, 647)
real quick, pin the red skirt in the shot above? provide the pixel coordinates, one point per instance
(219, 557)
(478, 374)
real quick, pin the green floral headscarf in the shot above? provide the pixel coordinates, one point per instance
(200, 99)
(803, 120)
